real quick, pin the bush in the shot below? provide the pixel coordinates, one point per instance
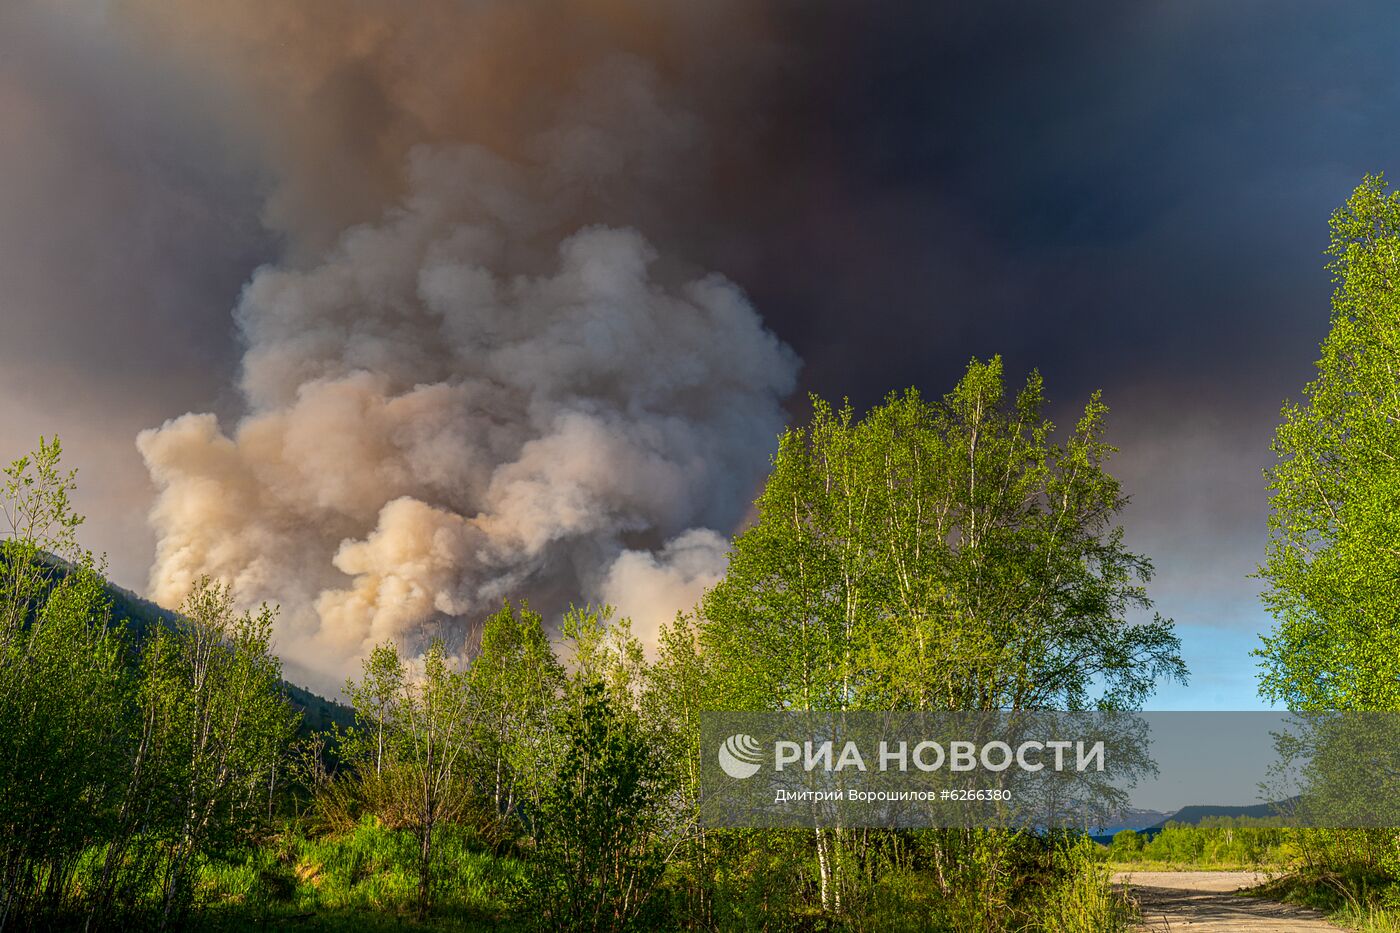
(598, 865)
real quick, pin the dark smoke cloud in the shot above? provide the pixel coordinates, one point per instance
(336, 94)
(123, 232)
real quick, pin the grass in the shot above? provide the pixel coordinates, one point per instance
(1084, 901)
(365, 879)
(361, 880)
(1354, 898)
(1184, 865)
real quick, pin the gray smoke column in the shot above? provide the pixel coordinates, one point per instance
(491, 389)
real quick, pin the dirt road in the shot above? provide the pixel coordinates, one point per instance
(1204, 902)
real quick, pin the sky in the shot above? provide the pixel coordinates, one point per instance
(279, 217)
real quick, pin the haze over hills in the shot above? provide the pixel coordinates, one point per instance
(1133, 819)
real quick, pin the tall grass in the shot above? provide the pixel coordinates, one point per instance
(1083, 899)
(1359, 897)
(365, 878)
(1019, 884)
(1370, 920)
(369, 873)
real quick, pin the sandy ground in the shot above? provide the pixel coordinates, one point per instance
(1203, 902)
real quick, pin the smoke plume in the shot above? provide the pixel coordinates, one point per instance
(474, 376)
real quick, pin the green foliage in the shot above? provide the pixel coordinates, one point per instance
(1126, 843)
(1216, 842)
(122, 765)
(1081, 899)
(515, 681)
(930, 555)
(64, 693)
(364, 878)
(676, 690)
(1349, 874)
(604, 651)
(1332, 566)
(1332, 570)
(1333, 560)
(597, 863)
(938, 555)
(215, 723)
(415, 758)
(759, 881)
(376, 699)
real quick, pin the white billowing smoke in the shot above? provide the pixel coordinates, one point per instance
(476, 397)
(649, 588)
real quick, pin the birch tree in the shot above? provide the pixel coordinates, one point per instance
(64, 692)
(515, 682)
(427, 731)
(213, 692)
(937, 555)
(1333, 562)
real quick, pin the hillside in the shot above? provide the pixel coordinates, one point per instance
(1195, 814)
(140, 615)
(318, 713)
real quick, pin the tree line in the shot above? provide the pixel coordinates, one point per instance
(933, 554)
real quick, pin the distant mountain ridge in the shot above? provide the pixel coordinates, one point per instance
(1151, 822)
(1134, 819)
(1195, 814)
